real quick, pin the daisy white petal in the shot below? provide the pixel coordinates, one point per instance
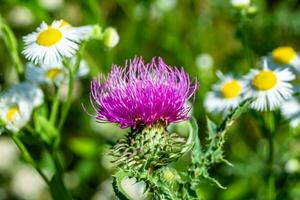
(14, 114)
(82, 32)
(49, 74)
(50, 43)
(226, 94)
(268, 88)
(291, 111)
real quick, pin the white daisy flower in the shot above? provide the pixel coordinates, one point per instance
(226, 94)
(268, 88)
(15, 114)
(240, 3)
(17, 103)
(285, 56)
(28, 92)
(46, 73)
(50, 43)
(291, 111)
(54, 74)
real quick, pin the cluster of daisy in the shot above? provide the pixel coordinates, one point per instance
(52, 53)
(269, 87)
(17, 104)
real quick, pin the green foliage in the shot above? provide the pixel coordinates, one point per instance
(204, 158)
(165, 183)
(58, 189)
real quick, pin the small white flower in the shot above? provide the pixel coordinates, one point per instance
(285, 56)
(55, 73)
(49, 74)
(204, 61)
(28, 92)
(50, 43)
(165, 5)
(268, 88)
(226, 94)
(14, 114)
(111, 37)
(240, 3)
(292, 166)
(51, 5)
(20, 16)
(135, 190)
(17, 103)
(291, 110)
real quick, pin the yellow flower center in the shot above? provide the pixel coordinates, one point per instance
(11, 113)
(231, 89)
(284, 55)
(64, 23)
(264, 80)
(49, 37)
(52, 73)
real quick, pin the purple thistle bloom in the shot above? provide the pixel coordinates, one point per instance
(142, 94)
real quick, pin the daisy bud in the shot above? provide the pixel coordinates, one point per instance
(111, 37)
(240, 4)
(292, 166)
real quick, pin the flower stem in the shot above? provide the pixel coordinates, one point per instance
(271, 178)
(12, 45)
(27, 157)
(72, 73)
(245, 39)
(54, 108)
(270, 128)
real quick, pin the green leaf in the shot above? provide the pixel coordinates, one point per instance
(203, 159)
(211, 128)
(47, 131)
(58, 189)
(193, 136)
(196, 152)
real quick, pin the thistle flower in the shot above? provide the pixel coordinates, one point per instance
(143, 94)
(145, 97)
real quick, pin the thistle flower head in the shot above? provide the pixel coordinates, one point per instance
(143, 94)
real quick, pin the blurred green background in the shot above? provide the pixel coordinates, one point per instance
(202, 36)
